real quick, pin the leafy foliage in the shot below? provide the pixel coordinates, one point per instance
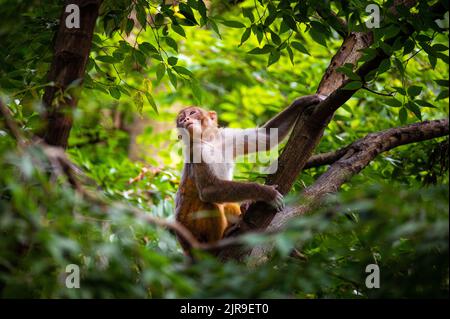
(247, 61)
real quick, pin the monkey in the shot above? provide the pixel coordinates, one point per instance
(207, 200)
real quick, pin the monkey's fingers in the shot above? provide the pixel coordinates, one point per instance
(277, 203)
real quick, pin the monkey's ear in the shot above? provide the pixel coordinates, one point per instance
(213, 116)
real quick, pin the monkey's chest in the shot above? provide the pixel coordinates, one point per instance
(223, 171)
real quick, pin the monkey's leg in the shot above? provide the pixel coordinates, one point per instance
(232, 212)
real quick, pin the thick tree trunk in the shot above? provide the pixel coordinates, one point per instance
(71, 53)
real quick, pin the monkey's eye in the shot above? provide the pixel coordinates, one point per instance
(192, 112)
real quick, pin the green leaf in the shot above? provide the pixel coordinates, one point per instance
(196, 90)
(348, 71)
(354, 85)
(274, 56)
(391, 31)
(291, 54)
(188, 13)
(179, 29)
(270, 18)
(318, 37)
(171, 43)
(266, 49)
(399, 66)
(159, 19)
(442, 95)
(160, 71)
(433, 61)
(398, 44)
(232, 24)
(290, 22)
(414, 90)
(201, 8)
(148, 48)
(106, 58)
(248, 13)
(413, 107)
(442, 82)
(183, 70)
(141, 15)
(213, 26)
(386, 48)
(114, 92)
(151, 101)
(369, 54)
(257, 30)
(172, 78)
(399, 90)
(423, 38)
(245, 35)
(439, 47)
(385, 65)
(299, 47)
(172, 60)
(423, 103)
(275, 38)
(138, 101)
(129, 27)
(393, 102)
(403, 115)
(408, 47)
(140, 57)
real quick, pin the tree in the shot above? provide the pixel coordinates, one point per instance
(310, 126)
(71, 52)
(386, 88)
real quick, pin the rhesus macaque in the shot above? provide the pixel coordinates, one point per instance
(207, 201)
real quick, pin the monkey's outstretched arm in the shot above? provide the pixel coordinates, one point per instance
(262, 139)
(214, 190)
(285, 120)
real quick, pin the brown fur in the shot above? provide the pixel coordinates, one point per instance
(206, 221)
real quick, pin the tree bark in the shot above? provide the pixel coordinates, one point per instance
(71, 53)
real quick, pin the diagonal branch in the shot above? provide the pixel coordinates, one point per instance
(355, 158)
(325, 158)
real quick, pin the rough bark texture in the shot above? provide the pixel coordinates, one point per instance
(71, 52)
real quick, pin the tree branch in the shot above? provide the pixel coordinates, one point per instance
(355, 158)
(12, 125)
(325, 158)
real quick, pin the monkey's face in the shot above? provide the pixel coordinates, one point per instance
(196, 120)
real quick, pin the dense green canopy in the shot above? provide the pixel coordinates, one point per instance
(247, 60)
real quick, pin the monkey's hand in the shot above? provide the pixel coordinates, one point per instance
(308, 100)
(278, 200)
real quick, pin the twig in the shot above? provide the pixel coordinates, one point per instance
(378, 93)
(12, 126)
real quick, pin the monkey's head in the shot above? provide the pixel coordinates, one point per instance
(196, 120)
